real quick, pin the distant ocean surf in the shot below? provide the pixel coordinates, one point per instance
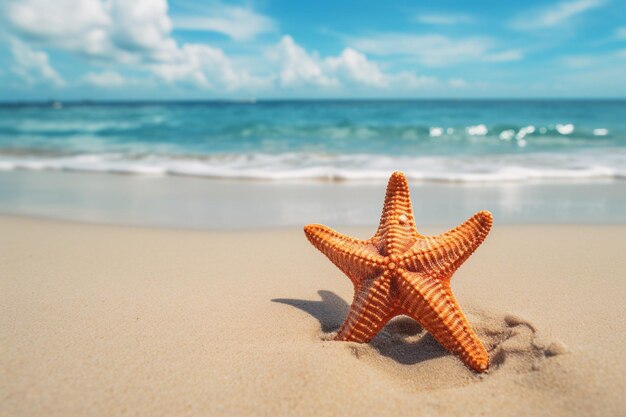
(439, 140)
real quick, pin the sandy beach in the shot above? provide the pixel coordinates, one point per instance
(106, 320)
(172, 174)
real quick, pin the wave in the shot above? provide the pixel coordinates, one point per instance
(26, 126)
(608, 163)
(236, 129)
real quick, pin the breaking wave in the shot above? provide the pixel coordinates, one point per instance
(605, 163)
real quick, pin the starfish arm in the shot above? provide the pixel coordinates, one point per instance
(396, 231)
(444, 254)
(371, 309)
(358, 259)
(431, 303)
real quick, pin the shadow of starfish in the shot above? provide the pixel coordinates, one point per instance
(330, 311)
(401, 349)
(395, 341)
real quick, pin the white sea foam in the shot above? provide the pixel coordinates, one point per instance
(478, 130)
(436, 131)
(600, 132)
(507, 134)
(565, 129)
(56, 126)
(312, 166)
(524, 131)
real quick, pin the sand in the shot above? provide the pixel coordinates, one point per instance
(114, 321)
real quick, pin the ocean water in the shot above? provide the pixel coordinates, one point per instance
(471, 141)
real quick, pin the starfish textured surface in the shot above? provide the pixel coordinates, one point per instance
(399, 271)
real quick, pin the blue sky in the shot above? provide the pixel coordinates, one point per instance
(190, 49)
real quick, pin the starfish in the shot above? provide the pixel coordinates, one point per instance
(398, 271)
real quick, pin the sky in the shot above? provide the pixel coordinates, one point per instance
(199, 49)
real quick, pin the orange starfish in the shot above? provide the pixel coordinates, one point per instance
(399, 271)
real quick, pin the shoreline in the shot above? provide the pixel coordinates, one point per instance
(203, 204)
(101, 320)
(361, 230)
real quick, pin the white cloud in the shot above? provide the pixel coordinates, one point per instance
(123, 32)
(554, 15)
(350, 67)
(443, 19)
(298, 66)
(434, 50)
(138, 34)
(354, 66)
(141, 27)
(38, 17)
(236, 22)
(205, 66)
(33, 66)
(105, 79)
(69, 24)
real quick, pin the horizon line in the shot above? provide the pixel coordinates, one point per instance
(298, 99)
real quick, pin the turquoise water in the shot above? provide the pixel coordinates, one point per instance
(441, 140)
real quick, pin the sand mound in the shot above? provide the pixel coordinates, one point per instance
(409, 355)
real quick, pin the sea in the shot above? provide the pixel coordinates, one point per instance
(485, 144)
